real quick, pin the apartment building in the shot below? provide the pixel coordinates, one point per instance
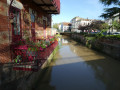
(77, 21)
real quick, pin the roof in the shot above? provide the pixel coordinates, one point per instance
(79, 19)
(66, 23)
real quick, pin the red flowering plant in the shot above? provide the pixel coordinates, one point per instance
(52, 40)
(41, 44)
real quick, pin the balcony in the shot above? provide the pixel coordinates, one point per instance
(50, 6)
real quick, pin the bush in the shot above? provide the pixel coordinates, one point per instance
(116, 37)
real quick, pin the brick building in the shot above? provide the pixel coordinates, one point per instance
(21, 19)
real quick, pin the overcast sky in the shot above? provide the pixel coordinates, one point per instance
(91, 9)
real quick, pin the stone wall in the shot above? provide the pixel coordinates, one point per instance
(107, 46)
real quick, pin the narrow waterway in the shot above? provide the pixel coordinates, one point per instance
(75, 67)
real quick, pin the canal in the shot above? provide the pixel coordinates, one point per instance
(75, 67)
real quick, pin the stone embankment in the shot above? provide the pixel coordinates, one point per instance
(108, 46)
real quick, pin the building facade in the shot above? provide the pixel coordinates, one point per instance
(77, 21)
(65, 27)
(109, 21)
(24, 19)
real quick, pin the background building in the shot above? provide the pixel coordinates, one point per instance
(65, 27)
(77, 21)
(115, 17)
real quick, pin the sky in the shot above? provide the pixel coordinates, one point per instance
(90, 9)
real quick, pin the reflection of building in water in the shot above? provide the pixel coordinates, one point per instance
(64, 42)
(74, 49)
(60, 42)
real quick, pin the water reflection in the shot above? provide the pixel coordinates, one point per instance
(76, 67)
(44, 80)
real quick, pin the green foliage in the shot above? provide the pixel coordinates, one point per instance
(32, 48)
(52, 39)
(96, 25)
(89, 41)
(109, 12)
(100, 34)
(83, 33)
(116, 25)
(47, 42)
(109, 2)
(41, 43)
(56, 26)
(104, 26)
(99, 25)
(117, 37)
(90, 38)
(57, 36)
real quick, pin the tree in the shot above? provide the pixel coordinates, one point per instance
(116, 25)
(95, 25)
(109, 2)
(104, 26)
(56, 25)
(109, 12)
(81, 28)
(98, 25)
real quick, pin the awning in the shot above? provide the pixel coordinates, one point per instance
(15, 4)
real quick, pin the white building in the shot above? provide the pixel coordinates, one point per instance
(65, 26)
(77, 21)
(115, 17)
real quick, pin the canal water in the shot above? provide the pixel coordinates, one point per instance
(75, 67)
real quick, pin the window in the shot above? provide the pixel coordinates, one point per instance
(32, 14)
(16, 24)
